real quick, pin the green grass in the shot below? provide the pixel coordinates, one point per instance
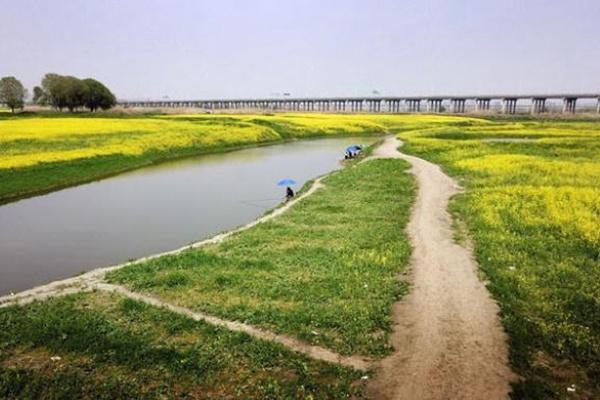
(112, 347)
(326, 271)
(533, 212)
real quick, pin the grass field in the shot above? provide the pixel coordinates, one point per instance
(107, 347)
(532, 207)
(325, 271)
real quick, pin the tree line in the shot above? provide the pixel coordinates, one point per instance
(60, 92)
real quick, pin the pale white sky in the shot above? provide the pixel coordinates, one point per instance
(233, 48)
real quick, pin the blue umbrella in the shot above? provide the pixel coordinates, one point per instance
(354, 147)
(286, 182)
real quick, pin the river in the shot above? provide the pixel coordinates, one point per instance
(151, 210)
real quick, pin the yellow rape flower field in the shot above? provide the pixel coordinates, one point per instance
(42, 152)
(532, 208)
(531, 204)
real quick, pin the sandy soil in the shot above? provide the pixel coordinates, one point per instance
(448, 339)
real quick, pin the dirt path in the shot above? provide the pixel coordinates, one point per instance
(312, 351)
(449, 341)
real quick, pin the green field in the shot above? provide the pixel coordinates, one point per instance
(107, 347)
(532, 208)
(326, 270)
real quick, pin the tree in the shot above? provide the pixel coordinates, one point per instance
(12, 93)
(75, 92)
(53, 91)
(98, 96)
(70, 92)
(39, 97)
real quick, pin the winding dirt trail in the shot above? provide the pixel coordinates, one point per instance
(449, 341)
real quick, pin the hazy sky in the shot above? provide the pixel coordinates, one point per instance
(215, 48)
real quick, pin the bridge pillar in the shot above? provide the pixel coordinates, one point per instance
(414, 105)
(458, 106)
(482, 105)
(434, 105)
(509, 105)
(569, 105)
(538, 105)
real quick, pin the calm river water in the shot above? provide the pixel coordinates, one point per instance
(151, 210)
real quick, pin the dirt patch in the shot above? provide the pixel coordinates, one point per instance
(449, 343)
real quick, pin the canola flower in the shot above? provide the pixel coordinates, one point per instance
(25, 142)
(533, 210)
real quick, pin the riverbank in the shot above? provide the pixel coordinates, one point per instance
(50, 151)
(43, 153)
(152, 210)
(323, 272)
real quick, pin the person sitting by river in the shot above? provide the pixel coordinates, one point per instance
(289, 193)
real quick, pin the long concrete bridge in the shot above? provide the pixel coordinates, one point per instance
(507, 104)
